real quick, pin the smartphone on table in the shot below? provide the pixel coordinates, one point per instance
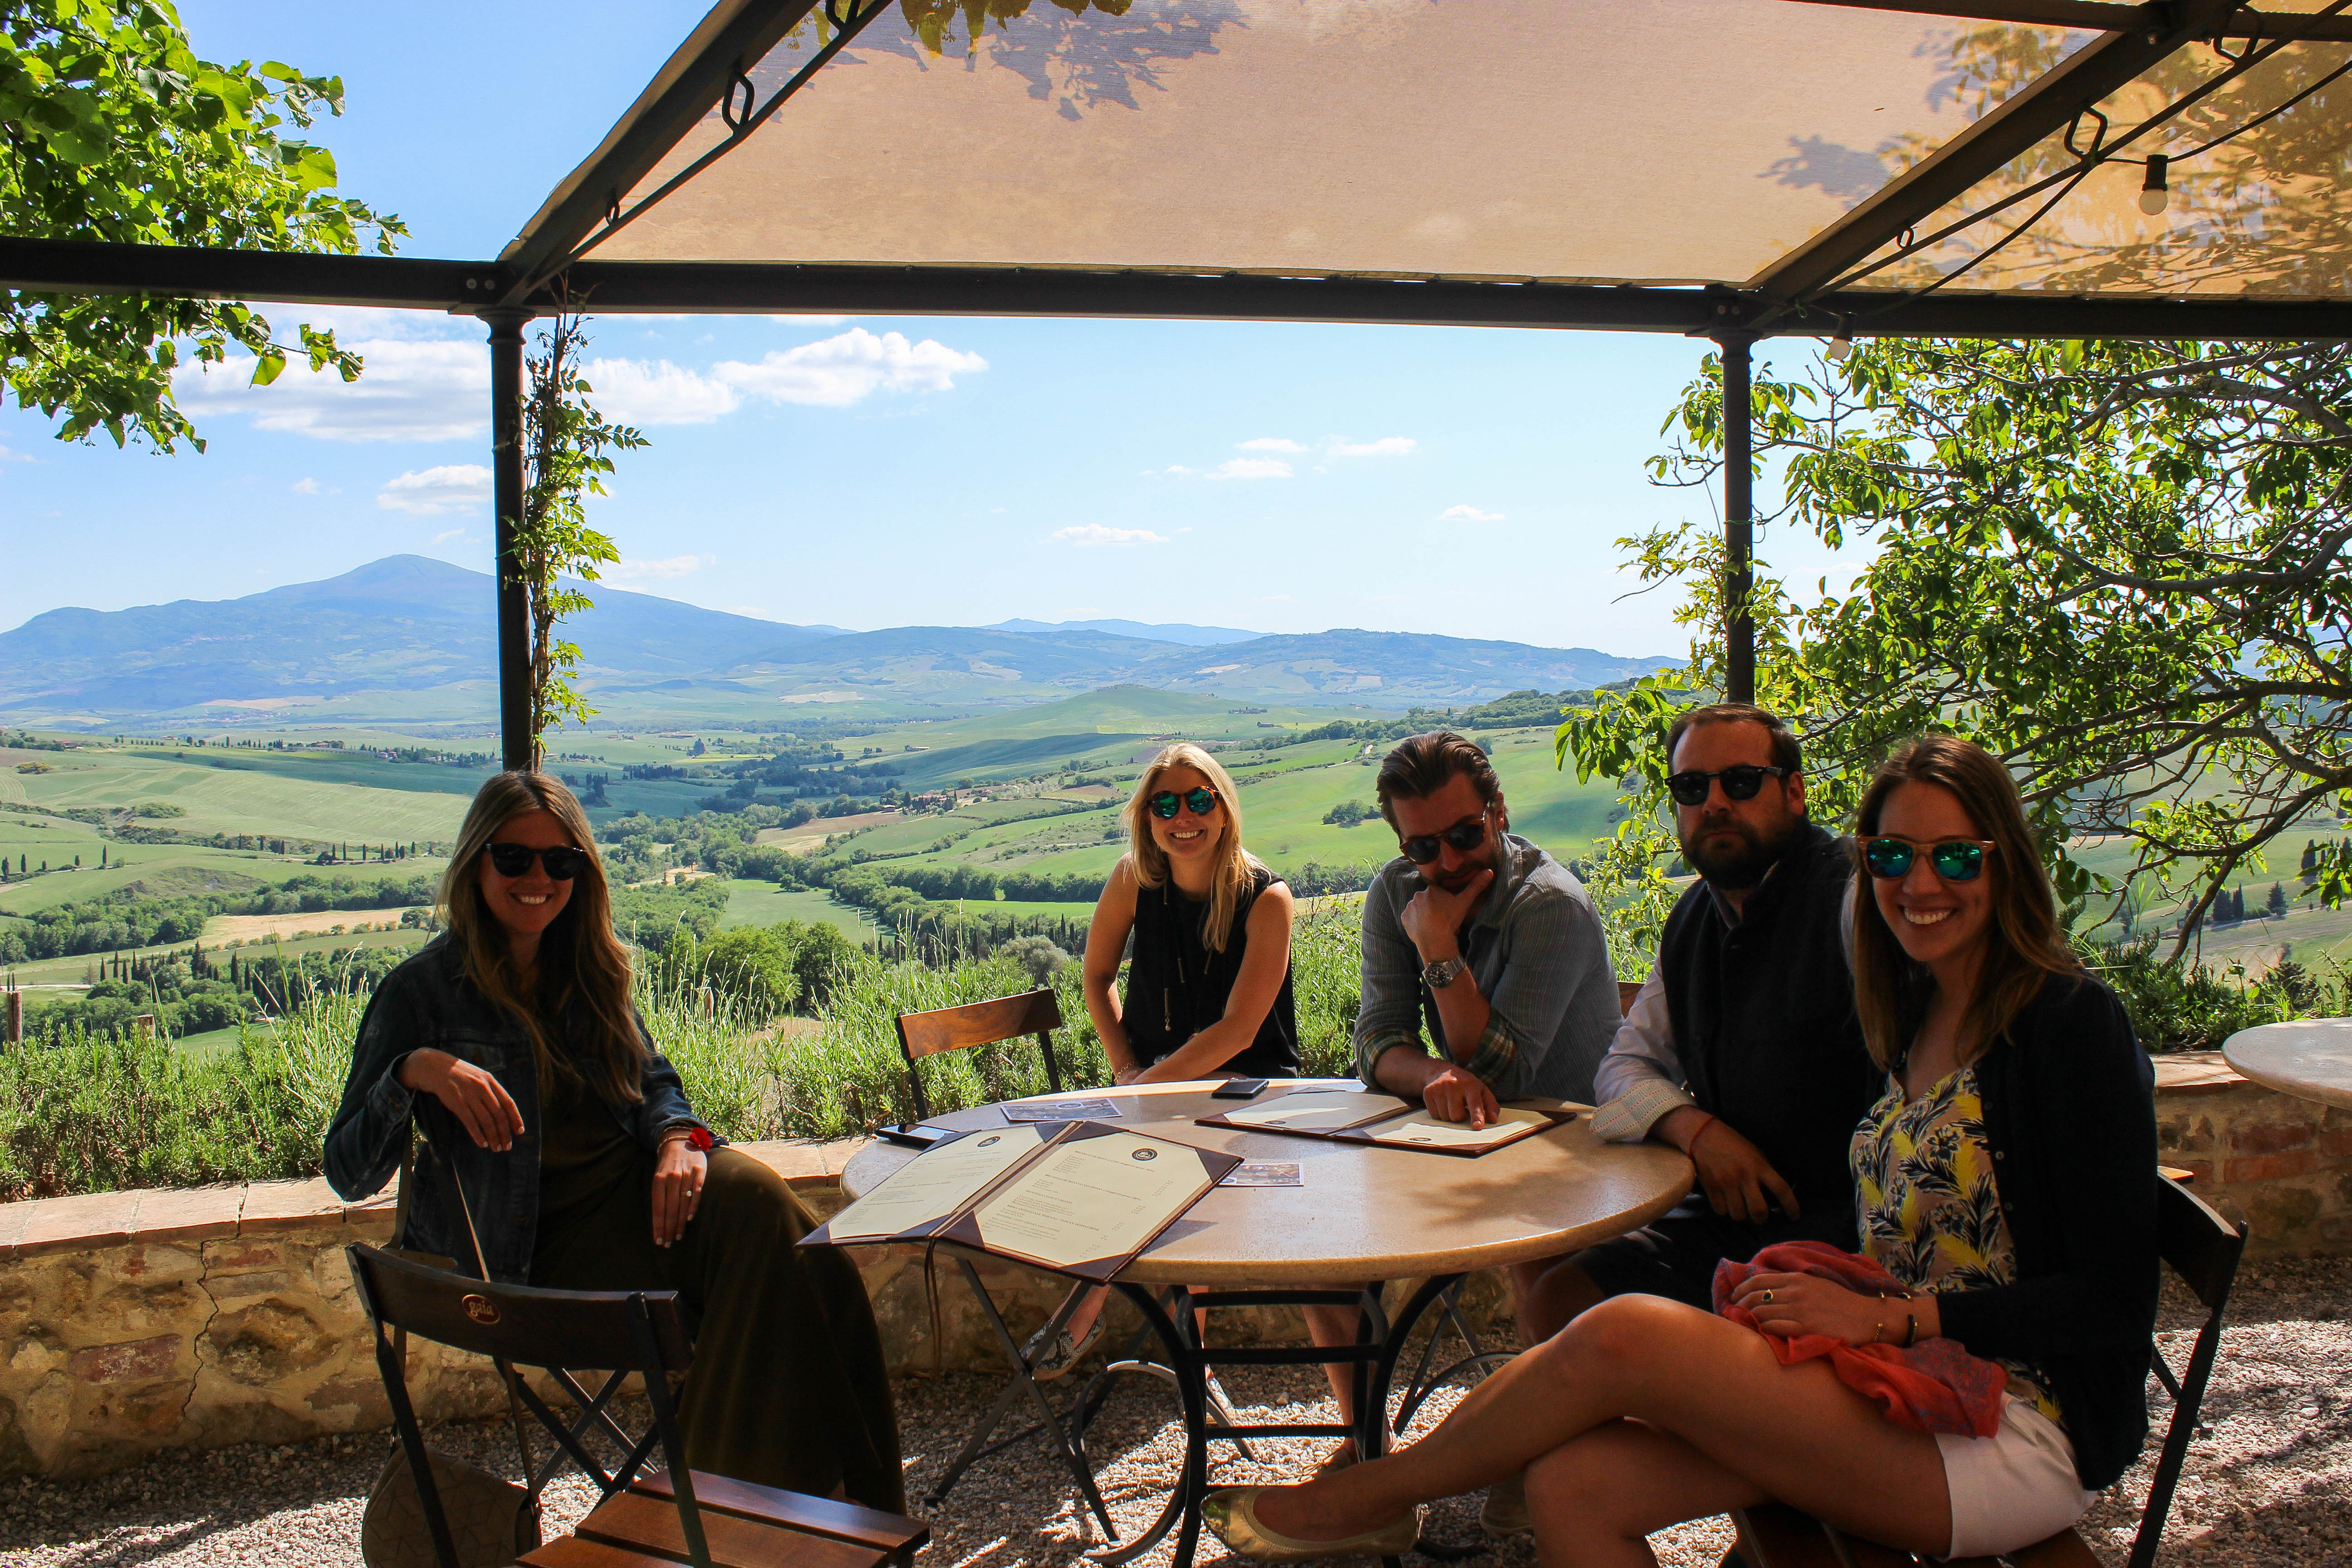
(1239, 1088)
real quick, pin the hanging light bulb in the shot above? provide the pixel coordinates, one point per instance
(1841, 348)
(2155, 195)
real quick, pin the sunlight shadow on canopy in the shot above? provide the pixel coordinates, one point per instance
(2265, 214)
(1581, 141)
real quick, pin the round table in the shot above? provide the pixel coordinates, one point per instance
(1359, 1215)
(2310, 1058)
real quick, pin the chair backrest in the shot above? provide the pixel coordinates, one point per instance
(974, 1023)
(599, 1328)
(2202, 1247)
(613, 1331)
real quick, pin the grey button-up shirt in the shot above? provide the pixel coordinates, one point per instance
(1535, 948)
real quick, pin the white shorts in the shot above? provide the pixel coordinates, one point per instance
(2014, 1488)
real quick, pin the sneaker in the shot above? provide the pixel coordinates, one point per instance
(1047, 1363)
(1506, 1511)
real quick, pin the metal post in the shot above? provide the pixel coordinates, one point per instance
(506, 463)
(1738, 522)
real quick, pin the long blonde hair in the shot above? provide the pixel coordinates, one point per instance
(2023, 945)
(584, 970)
(1236, 869)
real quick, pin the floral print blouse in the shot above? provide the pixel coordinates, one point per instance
(1927, 1205)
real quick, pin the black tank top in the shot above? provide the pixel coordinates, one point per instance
(1176, 987)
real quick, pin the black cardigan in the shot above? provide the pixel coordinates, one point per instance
(2070, 1112)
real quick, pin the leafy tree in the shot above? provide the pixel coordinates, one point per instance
(2117, 566)
(565, 447)
(2278, 899)
(116, 131)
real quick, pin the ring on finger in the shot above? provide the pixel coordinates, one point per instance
(1767, 1298)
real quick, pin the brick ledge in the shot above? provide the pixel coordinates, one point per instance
(38, 1226)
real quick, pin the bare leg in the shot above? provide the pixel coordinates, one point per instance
(1547, 1294)
(1594, 1500)
(1793, 1433)
(1330, 1327)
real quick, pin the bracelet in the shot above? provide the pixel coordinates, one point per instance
(1878, 1331)
(1911, 1331)
(1692, 1141)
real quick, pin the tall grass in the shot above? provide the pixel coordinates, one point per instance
(90, 1112)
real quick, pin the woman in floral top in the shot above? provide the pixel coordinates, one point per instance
(2007, 1178)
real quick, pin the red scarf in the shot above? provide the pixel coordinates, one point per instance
(1934, 1386)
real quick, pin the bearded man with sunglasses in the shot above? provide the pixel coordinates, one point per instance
(1484, 935)
(1743, 1049)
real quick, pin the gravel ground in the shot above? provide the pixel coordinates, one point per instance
(2269, 1484)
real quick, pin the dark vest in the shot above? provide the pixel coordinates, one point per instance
(1764, 1019)
(1176, 987)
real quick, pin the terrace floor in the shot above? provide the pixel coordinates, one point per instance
(2272, 1485)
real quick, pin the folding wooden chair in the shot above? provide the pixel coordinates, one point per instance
(975, 1024)
(672, 1514)
(2203, 1249)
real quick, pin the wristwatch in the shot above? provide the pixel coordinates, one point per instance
(1442, 974)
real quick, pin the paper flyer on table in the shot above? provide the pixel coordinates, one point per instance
(1424, 1130)
(1317, 1113)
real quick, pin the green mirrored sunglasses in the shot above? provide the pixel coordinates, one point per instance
(1200, 802)
(1954, 859)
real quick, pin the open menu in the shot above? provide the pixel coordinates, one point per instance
(1083, 1199)
(1385, 1120)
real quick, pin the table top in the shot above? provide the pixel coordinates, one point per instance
(2310, 1058)
(1364, 1213)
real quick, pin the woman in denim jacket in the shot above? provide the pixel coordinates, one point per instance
(511, 1045)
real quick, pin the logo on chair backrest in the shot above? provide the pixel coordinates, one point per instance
(481, 1308)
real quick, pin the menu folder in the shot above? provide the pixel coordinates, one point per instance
(1084, 1201)
(1396, 1125)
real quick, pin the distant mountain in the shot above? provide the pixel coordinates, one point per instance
(1196, 637)
(402, 624)
(410, 639)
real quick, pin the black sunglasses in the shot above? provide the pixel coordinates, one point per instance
(1739, 784)
(562, 861)
(1200, 802)
(1954, 859)
(1463, 836)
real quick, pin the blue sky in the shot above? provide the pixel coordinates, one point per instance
(870, 471)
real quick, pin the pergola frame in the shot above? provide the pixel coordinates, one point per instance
(551, 265)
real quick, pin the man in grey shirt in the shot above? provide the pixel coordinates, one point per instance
(1484, 935)
(1495, 945)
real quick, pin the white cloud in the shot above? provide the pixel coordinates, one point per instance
(1093, 533)
(10, 454)
(626, 570)
(641, 392)
(434, 492)
(1386, 447)
(353, 324)
(408, 391)
(845, 369)
(1468, 514)
(446, 534)
(1269, 444)
(304, 486)
(1252, 469)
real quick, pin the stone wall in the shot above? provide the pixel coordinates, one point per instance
(135, 1321)
(2282, 1165)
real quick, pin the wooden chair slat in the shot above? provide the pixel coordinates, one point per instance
(640, 1523)
(2064, 1550)
(1774, 1535)
(571, 1552)
(979, 1023)
(516, 1322)
(795, 1511)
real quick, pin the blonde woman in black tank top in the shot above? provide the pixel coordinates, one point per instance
(1208, 992)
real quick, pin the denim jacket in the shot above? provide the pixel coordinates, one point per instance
(428, 1002)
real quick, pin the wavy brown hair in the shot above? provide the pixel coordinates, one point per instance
(584, 970)
(2024, 948)
(1236, 868)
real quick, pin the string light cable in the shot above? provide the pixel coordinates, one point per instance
(2155, 191)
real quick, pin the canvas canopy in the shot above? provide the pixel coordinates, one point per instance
(1724, 168)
